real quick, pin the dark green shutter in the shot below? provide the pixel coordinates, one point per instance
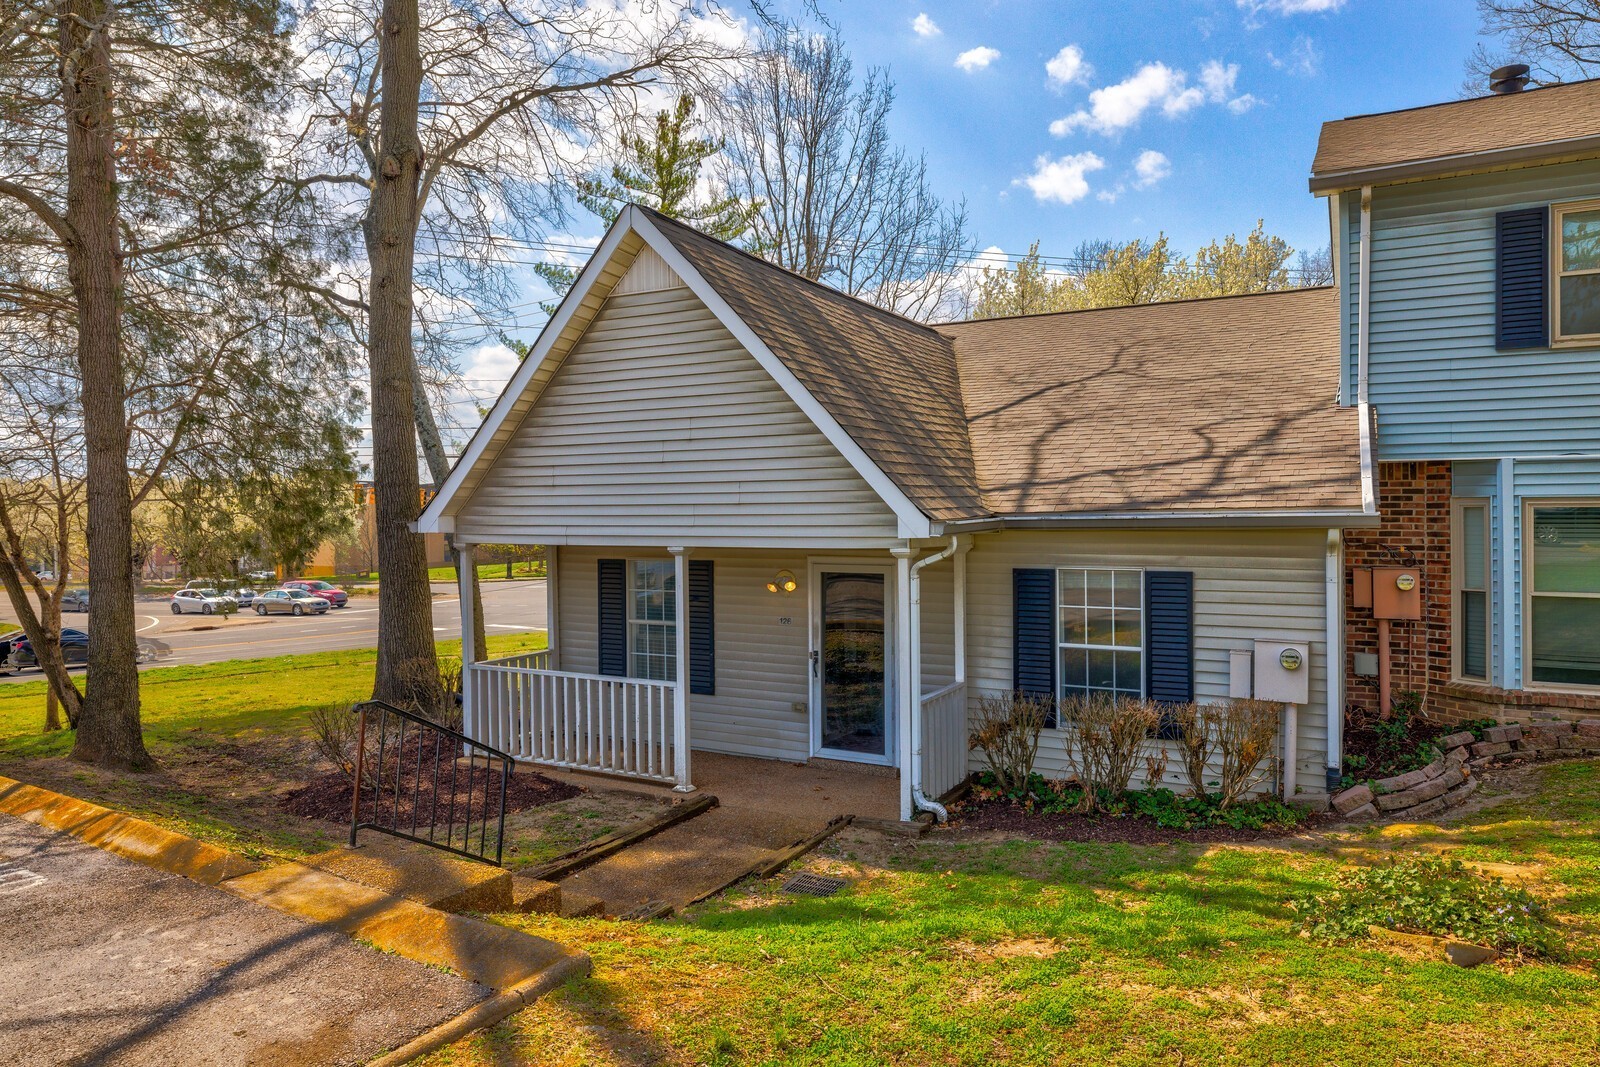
(1033, 631)
(1169, 640)
(613, 617)
(702, 629)
(1522, 278)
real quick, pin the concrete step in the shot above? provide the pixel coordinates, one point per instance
(419, 873)
(575, 905)
(535, 895)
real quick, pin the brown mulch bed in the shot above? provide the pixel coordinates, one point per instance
(328, 796)
(1005, 816)
(1361, 739)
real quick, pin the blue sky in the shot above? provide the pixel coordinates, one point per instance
(1226, 147)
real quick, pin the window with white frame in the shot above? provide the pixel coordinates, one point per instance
(1471, 577)
(652, 620)
(1562, 577)
(1576, 256)
(1100, 633)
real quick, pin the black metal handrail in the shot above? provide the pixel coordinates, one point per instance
(433, 762)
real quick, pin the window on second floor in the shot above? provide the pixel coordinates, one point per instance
(1576, 256)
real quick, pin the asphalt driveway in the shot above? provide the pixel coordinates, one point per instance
(107, 961)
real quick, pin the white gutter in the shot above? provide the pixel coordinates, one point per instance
(1334, 636)
(920, 800)
(1319, 518)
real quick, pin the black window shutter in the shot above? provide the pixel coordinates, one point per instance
(1169, 641)
(613, 617)
(702, 629)
(1522, 278)
(1033, 631)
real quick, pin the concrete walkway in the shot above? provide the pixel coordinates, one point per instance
(108, 961)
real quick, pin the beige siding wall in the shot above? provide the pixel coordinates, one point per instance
(761, 707)
(1247, 584)
(661, 429)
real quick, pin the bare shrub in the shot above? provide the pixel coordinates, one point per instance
(1195, 740)
(451, 678)
(334, 730)
(1006, 730)
(1246, 734)
(1103, 737)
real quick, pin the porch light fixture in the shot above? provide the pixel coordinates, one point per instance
(783, 582)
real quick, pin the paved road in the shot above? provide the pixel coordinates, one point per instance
(187, 639)
(106, 961)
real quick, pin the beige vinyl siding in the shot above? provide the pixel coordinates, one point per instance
(1247, 584)
(660, 429)
(649, 273)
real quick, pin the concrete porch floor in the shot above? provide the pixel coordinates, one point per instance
(814, 792)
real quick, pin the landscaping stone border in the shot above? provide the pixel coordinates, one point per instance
(1449, 780)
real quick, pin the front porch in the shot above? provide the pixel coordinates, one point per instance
(799, 658)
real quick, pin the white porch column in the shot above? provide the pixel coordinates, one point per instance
(960, 607)
(552, 607)
(904, 674)
(680, 698)
(464, 566)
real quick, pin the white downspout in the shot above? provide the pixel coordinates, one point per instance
(469, 706)
(1335, 655)
(919, 799)
(1363, 298)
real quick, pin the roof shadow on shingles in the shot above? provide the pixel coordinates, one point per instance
(1225, 403)
(905, 412)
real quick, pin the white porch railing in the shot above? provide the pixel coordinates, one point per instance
(587, 722)
(536, 661)
(944, 738)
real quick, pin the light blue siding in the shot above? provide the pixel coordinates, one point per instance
(1542, 479)
(1441, 389)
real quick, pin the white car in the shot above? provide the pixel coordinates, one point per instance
(200, 602)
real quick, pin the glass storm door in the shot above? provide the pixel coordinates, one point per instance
(851, 667)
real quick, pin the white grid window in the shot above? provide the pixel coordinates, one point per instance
(652, 620)
(1100, 631)
(1577, 263)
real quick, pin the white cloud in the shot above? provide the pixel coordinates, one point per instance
(1067, 66)
(1150, 168)
(1114, 108)
(977, 58)
(1303, 58)
(1290, 7)
(923, 26)
(1062, 180)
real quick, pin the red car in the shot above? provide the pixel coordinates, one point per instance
(335, 596)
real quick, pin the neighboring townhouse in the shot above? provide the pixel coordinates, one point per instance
(1466, 239)
(785, 523)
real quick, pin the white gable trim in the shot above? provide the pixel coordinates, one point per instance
(913, 523)
(438, 516)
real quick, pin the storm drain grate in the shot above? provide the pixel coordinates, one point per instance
(814, 885)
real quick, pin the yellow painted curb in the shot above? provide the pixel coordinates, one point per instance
(122, 835)
(495, 956)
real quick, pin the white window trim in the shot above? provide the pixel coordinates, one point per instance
(1556, 274)
(1062, 644)
(634, 622)
(1458, 506)
(1526, 577)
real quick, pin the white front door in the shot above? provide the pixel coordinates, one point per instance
(852, 662)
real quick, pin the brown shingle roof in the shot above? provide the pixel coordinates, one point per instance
(889, 382)
(1223, 404)
(1551, 122)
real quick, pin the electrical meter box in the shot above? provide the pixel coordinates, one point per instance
(1361, 587)
(1396, 593)
(1241, 674)
(1283, 671)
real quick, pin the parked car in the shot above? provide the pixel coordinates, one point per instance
(74, 648)
(75, 600)
(6, 641)
(290, 602)
(262, 576)
(200, 602)
(243, 594)
(316, 587)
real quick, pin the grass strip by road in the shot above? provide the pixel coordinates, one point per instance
(959, 950)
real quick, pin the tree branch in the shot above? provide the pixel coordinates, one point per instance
(41, 207)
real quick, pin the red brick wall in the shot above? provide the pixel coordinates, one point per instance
(1414, 499)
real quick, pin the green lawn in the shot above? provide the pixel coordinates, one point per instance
(964, 951)
(490, 572)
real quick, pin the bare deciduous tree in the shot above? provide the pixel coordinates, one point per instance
(1558, 39)
(838, 201)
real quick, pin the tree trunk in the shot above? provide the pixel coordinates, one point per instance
(108, 726)
(439, 470)
(408, 666)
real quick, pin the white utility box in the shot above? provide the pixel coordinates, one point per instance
(1283, 671)
(1241, 674)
